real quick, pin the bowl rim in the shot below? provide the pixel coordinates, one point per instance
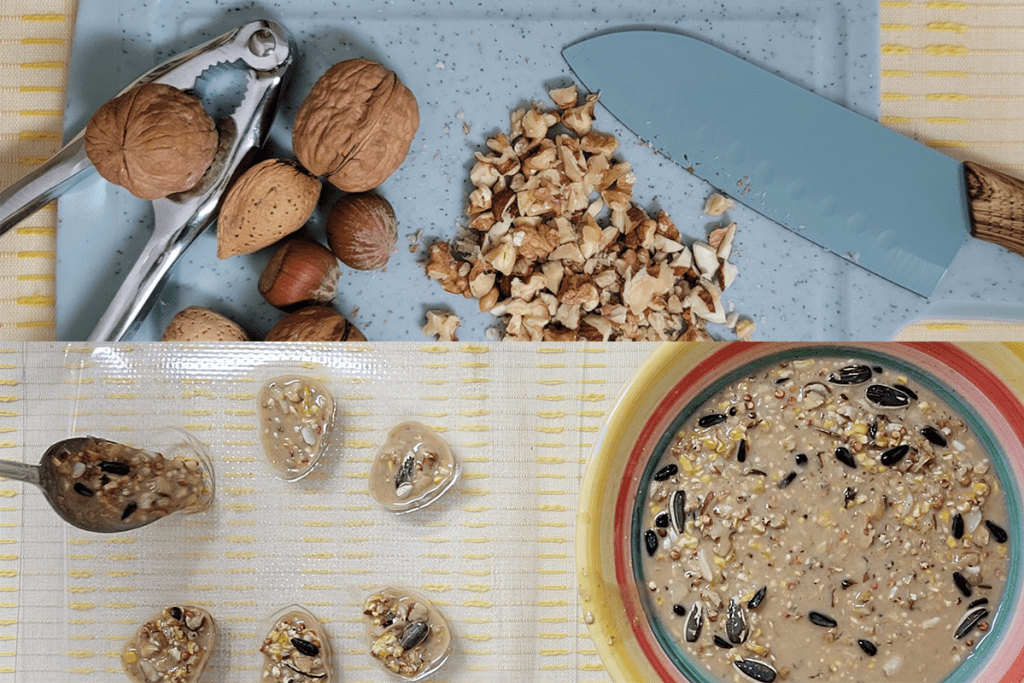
(609, 596)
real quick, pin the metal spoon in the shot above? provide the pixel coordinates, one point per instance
(72, 491)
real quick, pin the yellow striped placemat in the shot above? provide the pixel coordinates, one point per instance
(948, 79)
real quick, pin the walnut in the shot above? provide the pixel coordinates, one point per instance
(356, 125)
(442, 324)
(717, 204)
(153, 140)
(441, 266)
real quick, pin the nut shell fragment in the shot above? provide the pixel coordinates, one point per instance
(356, 125)
(153, 140)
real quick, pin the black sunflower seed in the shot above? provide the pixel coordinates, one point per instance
(846, 583)
(305, 647)
(112, 467)
(741, 451)
(958, 526)
(736, 623)
(677, 510)
(82, 490)
(651, 541)
(175, 613)
(661, 520)
(665, 472)
(722, 642)
(969, 621)
(801, 459)
(844, 456)
(710, 420)
(961, 584)
(414, 634)
(894, 455)
(998, 532)
(851, 374)
(868, 647)
(933, 435)
(888, 397)
(977, 603)
(819, 619)
(906, 390)
(849, 495)
(759, 671)
(679, 610)
(787, 480)
(129, 509)
(694, 623)
(758, 597)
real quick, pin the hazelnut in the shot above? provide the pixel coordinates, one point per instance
(362, 230)
(196, 323)
(315, 323)
(356, 125)
(269, 201)
(299, 272)
(153, 140)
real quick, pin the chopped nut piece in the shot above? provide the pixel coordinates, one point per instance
(745, 329)
(717, 204)
(443, 324)
(564, 98)
(502, 257)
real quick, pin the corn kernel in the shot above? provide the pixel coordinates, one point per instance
(131, 656)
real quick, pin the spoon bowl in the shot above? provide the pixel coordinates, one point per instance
(105, 487)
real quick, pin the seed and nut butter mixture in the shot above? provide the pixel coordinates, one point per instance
(296, 414)
(407, 635)
(413, 468)
(296, 649)
(825, 519)
(118, 487)
(173, 647)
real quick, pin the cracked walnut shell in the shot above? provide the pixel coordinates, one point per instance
(269, 201)
(356, 125)
(153, 140)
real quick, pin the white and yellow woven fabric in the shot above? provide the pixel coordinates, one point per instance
(950, 78)
(495, 554)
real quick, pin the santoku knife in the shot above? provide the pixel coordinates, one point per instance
(892, 205)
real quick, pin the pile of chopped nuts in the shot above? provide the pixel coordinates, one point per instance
(558, 250)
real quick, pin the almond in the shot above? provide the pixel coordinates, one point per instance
(269, 201)
(196, 323)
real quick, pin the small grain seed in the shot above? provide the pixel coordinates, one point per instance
(666, 472)
(711, 420)
(933, 435)
(819, 619)
(129, 509)
(869, 648)
(998, 532)
(787, 480)
(801, 459)
(661, 520)
(83, 490)
(679, 610)
(958, 526)
(844, 456)
(741, 451)
(962, 585)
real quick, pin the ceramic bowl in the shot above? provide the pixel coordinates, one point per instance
(984, 382)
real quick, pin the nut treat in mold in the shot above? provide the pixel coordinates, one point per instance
(296, 414)
(296, 649)
(172, 647)
(412, 469)
(113, 487)
(824, 519)
(407, 635)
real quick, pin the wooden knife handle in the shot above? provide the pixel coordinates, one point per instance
(997, 206)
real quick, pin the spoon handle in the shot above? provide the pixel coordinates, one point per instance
(20, 471)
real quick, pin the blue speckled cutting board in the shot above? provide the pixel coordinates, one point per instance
(469, 64)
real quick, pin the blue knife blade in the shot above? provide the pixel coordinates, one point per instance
(889, 204)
